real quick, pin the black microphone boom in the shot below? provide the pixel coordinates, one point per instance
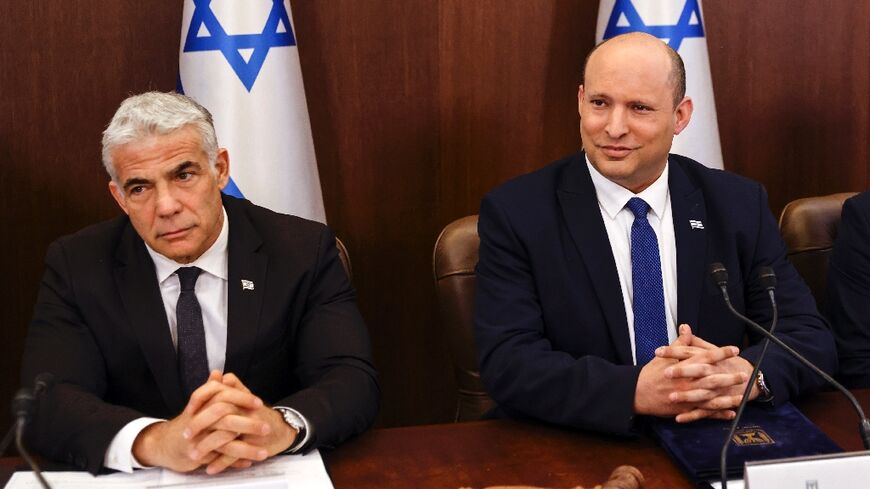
(23, 405)
(768, 281)
(23, 402)
(720, 276)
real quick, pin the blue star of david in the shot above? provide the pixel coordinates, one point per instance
(673, 33)
(229, 45)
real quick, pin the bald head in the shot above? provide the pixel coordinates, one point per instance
(631, 106)
(644, 45)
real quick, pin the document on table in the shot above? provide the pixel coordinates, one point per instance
(282, 472)
(735, 484)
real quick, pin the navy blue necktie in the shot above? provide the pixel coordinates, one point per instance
(192, 357)
(650, 326)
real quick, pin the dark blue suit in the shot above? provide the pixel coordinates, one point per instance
(549, 315)
(849, 291)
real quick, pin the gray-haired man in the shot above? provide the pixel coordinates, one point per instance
(197, 329)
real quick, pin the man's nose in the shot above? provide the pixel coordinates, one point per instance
(167, 202)
(617, 125)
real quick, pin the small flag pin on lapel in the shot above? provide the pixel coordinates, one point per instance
(247, 285)
(696, 224)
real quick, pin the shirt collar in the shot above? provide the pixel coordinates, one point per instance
(612, 197)
(213, 261)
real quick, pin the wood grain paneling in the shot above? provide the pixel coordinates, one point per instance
(792, 85)
(370, 75)
(418, 108)
(509, 73)
(65, 67)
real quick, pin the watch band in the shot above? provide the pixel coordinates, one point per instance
(297, 423)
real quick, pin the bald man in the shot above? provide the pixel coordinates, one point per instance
(594, 307)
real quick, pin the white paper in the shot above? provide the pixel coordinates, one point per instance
(282, 472)
(735, 484)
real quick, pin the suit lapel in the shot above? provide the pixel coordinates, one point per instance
(690, 217)
(579, 205)
(140, 293)
(246, 283)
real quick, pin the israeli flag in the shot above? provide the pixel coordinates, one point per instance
(240, 61)
(680, 24)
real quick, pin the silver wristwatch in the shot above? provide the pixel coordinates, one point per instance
(764, 394)
(297, 423)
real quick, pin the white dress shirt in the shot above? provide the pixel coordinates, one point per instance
(211, 293)
(612, 200)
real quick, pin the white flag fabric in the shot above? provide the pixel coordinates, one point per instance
(680, 24)
(240, 61)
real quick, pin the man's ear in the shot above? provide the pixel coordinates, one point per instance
(118, 195)
(222, 167)
(580, 94)
(683, 114)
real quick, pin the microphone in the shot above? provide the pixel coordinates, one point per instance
(42, 384)
(23, 404)
(768, 280)
(720, 277)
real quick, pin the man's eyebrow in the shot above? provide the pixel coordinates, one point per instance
(132, 182)
(184, 165)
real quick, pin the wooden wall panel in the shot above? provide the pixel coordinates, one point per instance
(65, 68)
(792, 85)
(369, 71)
(418, 108)
(509, 73)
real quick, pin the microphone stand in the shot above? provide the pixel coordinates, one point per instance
(22, 406)
(42, 383)
(19, 434)
(7, 440)
(721, 278)
(864, 424)
(723, 468)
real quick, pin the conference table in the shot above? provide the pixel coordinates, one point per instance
(504, 452)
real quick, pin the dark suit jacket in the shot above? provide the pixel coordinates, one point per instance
(549, 316)
(849, 291)
(99, 326)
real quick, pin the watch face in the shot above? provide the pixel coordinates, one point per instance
(764, 391)
(292, 422)
(291, 419)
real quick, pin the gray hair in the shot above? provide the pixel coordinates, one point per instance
(157, 113)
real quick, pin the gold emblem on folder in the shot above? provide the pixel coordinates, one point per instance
(751, 435)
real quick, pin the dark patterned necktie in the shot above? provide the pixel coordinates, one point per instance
(650, 327)
(192, 358)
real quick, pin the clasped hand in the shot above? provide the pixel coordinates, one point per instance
(223, 425)
(693, 379)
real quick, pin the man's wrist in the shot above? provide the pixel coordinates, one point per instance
(119, 454)
(298, 424)
(145, 445)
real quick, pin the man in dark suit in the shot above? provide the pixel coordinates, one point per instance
(588, 266)
(134, 313)
(849, 291)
